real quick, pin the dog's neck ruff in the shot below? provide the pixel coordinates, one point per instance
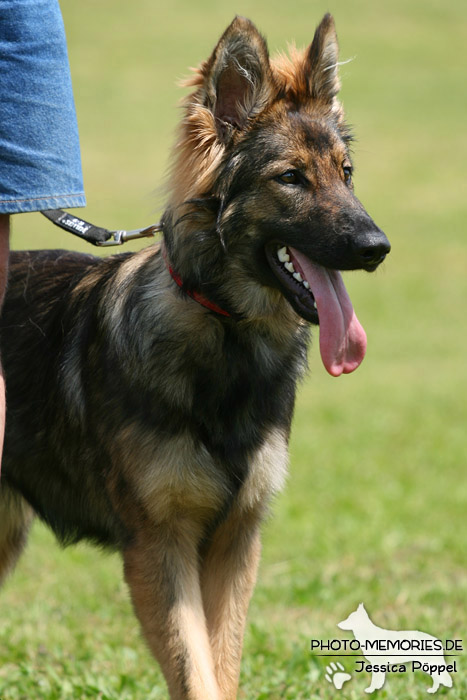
(192, 293)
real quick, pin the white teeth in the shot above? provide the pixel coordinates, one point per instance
(284, 258)
(283, 255)
(314, 304)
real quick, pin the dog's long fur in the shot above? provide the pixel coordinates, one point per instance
(141, 420)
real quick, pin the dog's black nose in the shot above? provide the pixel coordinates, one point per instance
(370, 249)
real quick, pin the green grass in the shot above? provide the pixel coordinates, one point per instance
(375, 507)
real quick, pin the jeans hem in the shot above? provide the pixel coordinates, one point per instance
(22, 205)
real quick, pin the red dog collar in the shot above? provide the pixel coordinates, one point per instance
(194, 295)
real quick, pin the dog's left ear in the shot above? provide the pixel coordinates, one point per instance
(238, 81)
(321, 62)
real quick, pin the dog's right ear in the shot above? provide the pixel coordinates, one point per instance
(238, 82)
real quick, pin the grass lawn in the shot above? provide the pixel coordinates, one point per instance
(375, 506)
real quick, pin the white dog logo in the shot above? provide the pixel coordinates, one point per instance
(408, 643)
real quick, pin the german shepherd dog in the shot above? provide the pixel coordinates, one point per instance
(150, 394)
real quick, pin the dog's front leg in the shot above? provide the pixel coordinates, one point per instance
(162, 571)
(228, 575)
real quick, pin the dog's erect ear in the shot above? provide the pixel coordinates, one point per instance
(321, 62)
(238, 80)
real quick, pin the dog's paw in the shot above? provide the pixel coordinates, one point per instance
(335, 674)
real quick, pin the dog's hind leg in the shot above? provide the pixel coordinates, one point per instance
(228, 575)
(162, 571)
(15, 519)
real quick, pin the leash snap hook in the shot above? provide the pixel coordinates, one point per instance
(121, 237)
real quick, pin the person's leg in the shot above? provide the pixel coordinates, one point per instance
(4, 254)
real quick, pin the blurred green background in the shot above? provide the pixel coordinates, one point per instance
(375, 506)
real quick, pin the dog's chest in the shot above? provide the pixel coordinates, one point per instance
(267, 471)
(217, 432)
(181, 476)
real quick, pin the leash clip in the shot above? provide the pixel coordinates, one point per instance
(121, 237)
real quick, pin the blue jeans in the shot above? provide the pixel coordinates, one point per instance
(40, 161)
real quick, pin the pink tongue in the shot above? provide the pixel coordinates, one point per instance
(342, 340)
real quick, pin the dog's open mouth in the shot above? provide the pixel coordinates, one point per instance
(294, 284)
(318, 294)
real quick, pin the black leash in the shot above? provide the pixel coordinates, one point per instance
(103, 237)
(96, 234)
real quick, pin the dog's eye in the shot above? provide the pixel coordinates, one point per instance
(290, 177)
(347, 174)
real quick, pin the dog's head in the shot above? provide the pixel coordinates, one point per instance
(262, 207)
